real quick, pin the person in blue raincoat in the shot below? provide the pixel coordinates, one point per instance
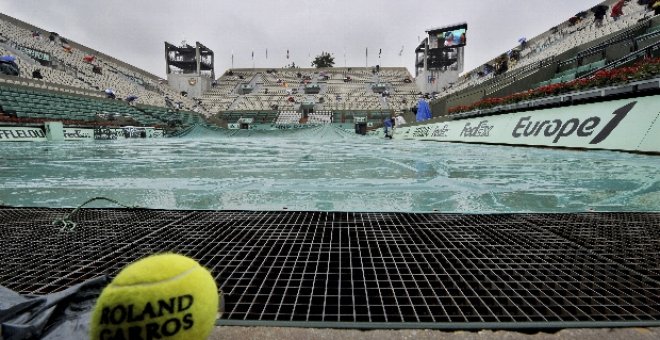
(423, 110)
(387, 126)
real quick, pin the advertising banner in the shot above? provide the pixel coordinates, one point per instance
(78, 134)
(615, 125)
(22, 134)
(38, 134)
(127, 132)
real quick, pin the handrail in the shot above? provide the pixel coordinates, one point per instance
(594, 94)
(39, 85)
(622, 36)
(626, 59)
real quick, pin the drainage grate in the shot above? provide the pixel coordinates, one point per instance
(364, 267)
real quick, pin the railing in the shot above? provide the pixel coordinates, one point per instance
(569, 98)
(625, 60)
(622, 36)
(41, 84)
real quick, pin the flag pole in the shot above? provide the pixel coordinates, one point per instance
(380, 51)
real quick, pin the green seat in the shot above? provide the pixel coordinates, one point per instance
(653, 29)
(568, 77)
(598, 64)
(583, 69)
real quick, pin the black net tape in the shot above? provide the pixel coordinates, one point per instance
(363, 267)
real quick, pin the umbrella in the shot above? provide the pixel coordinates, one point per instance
(88, 58)
(131, 98)
(7, 58)
(522, 40)
(109, 91)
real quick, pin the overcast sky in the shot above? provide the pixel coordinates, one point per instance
(134, 31)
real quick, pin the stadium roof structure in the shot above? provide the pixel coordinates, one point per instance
(197, 58)
(446, 28)
(422, 45)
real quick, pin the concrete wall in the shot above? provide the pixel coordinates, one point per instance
(195, 85)
(442, 80)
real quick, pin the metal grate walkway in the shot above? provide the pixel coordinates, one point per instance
(494, 270)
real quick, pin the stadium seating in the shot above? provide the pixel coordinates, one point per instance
(321, 117)
(26, 102)
(68, 66)
(288, 117)
(564, 53)
(283, 96)
(545, 48)
(283, 90)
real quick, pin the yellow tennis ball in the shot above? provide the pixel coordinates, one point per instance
(166, 296)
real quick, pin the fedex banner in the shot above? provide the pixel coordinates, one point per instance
(78, 134)
(629, 124)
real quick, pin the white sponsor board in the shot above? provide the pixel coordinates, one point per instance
(38, 134)
(22, 134)
(127, 132)
(629, 124)
(233, 126)
(78, 134)
(651, 141)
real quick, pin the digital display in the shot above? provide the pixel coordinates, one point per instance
(448, 37)
(454, 38)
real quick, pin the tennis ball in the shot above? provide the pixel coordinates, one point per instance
(166, 296)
